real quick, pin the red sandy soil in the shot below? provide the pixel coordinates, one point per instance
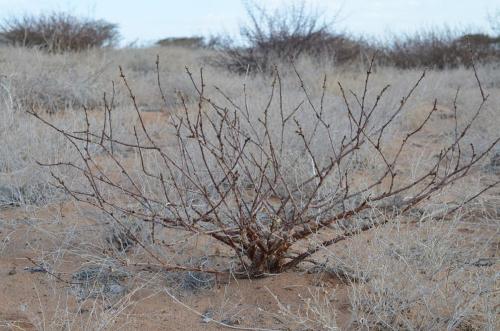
(28, 297)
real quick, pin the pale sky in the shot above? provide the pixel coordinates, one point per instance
(150, 20)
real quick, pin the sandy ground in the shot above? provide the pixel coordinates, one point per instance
(32, 298)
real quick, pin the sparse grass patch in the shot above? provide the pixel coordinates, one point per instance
(425, 278)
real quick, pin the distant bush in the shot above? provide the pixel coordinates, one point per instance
(441, 49)
(293, 31)
(285, 34)
(188, 42)
(58, 32)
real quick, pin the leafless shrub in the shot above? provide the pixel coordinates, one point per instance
(285, 34)
(257, 181)
(294, 31)
(58, 32)
(441, 49)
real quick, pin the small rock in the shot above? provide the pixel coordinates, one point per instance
(83, 311)
(483, 262)
(231, 321)
(38, 268)
(116, 289)
(92, 281)
(207, 316)
(190, 281)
